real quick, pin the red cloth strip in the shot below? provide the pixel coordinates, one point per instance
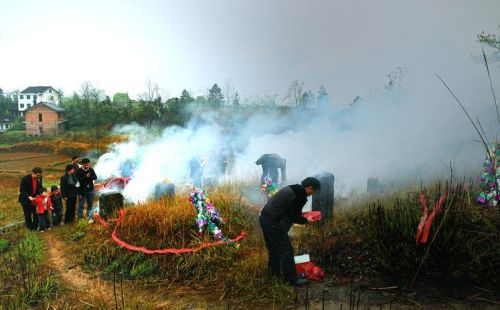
(98, 218)
(124, 244)
(425, 223)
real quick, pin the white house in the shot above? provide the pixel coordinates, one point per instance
(5, 123)
(36, 94)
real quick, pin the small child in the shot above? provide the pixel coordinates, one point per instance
(57, 205)
(43, 204)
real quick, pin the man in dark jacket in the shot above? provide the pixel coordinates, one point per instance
(29, 187)
(86, 176)
(279, 213)
(69, 191)
(270, 164)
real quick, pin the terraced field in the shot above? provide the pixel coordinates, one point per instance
(23, 162)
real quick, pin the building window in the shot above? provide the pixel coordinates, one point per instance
(21, 106)
(34, 97)
(52, 98)
(50, 90)
(39, 117)
(21, 97)
(28, 105)
(28, 97)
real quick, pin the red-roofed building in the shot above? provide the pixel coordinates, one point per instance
(44, 119)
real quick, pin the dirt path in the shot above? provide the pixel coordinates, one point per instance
(90, 290)
(82, 284)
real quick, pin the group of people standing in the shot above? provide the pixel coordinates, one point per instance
(277, 216)
(76, 185)
(207, 172)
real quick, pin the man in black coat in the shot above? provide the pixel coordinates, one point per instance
(279, 213)
(29, 187)
(69, 191)
(86, 176)
(270, 164)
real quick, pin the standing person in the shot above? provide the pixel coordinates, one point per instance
(75, 161)
(270, 164)
(279, 213)
(221, 163)
(69, 192)
(28, 189)
(86, 176)
(43, 204)
(56, 199)
(196, 170)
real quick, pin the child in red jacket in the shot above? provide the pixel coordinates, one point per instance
(43, 205)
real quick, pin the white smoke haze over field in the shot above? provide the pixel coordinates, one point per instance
(411, 131)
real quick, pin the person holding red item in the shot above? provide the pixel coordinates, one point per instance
(279, 213)
(43, 204)
(28, 188)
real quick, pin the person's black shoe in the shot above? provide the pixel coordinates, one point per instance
(301, 282)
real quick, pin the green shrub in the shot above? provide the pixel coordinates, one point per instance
(25, 279)
(379, 237)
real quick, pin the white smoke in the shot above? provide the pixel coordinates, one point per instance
(412, 130)
(156, 158)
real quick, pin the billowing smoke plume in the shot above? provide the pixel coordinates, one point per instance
(410, 130)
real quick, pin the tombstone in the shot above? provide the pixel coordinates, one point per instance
(164, 190)
(323, 199)
(210, 181)
(373, 186)
(109, 203)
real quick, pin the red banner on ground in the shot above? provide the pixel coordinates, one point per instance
(128, 246)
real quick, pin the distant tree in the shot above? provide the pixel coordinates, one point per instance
(295, 92)
(323, 97)
(151, 93)
(121, 98)
(4, 104)
(215, 96)
(60, 92)
(201, 101)
(186, 97)
(152, 107)
(88, 93)
(236, 99)
(491, 40)
(73, 107)
(18, 123)
(177, 112)
(307, 100)
(103, 116)
(228, 90)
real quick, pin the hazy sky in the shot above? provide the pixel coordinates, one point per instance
(348, 46)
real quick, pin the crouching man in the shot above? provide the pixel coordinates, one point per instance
(279, 213)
